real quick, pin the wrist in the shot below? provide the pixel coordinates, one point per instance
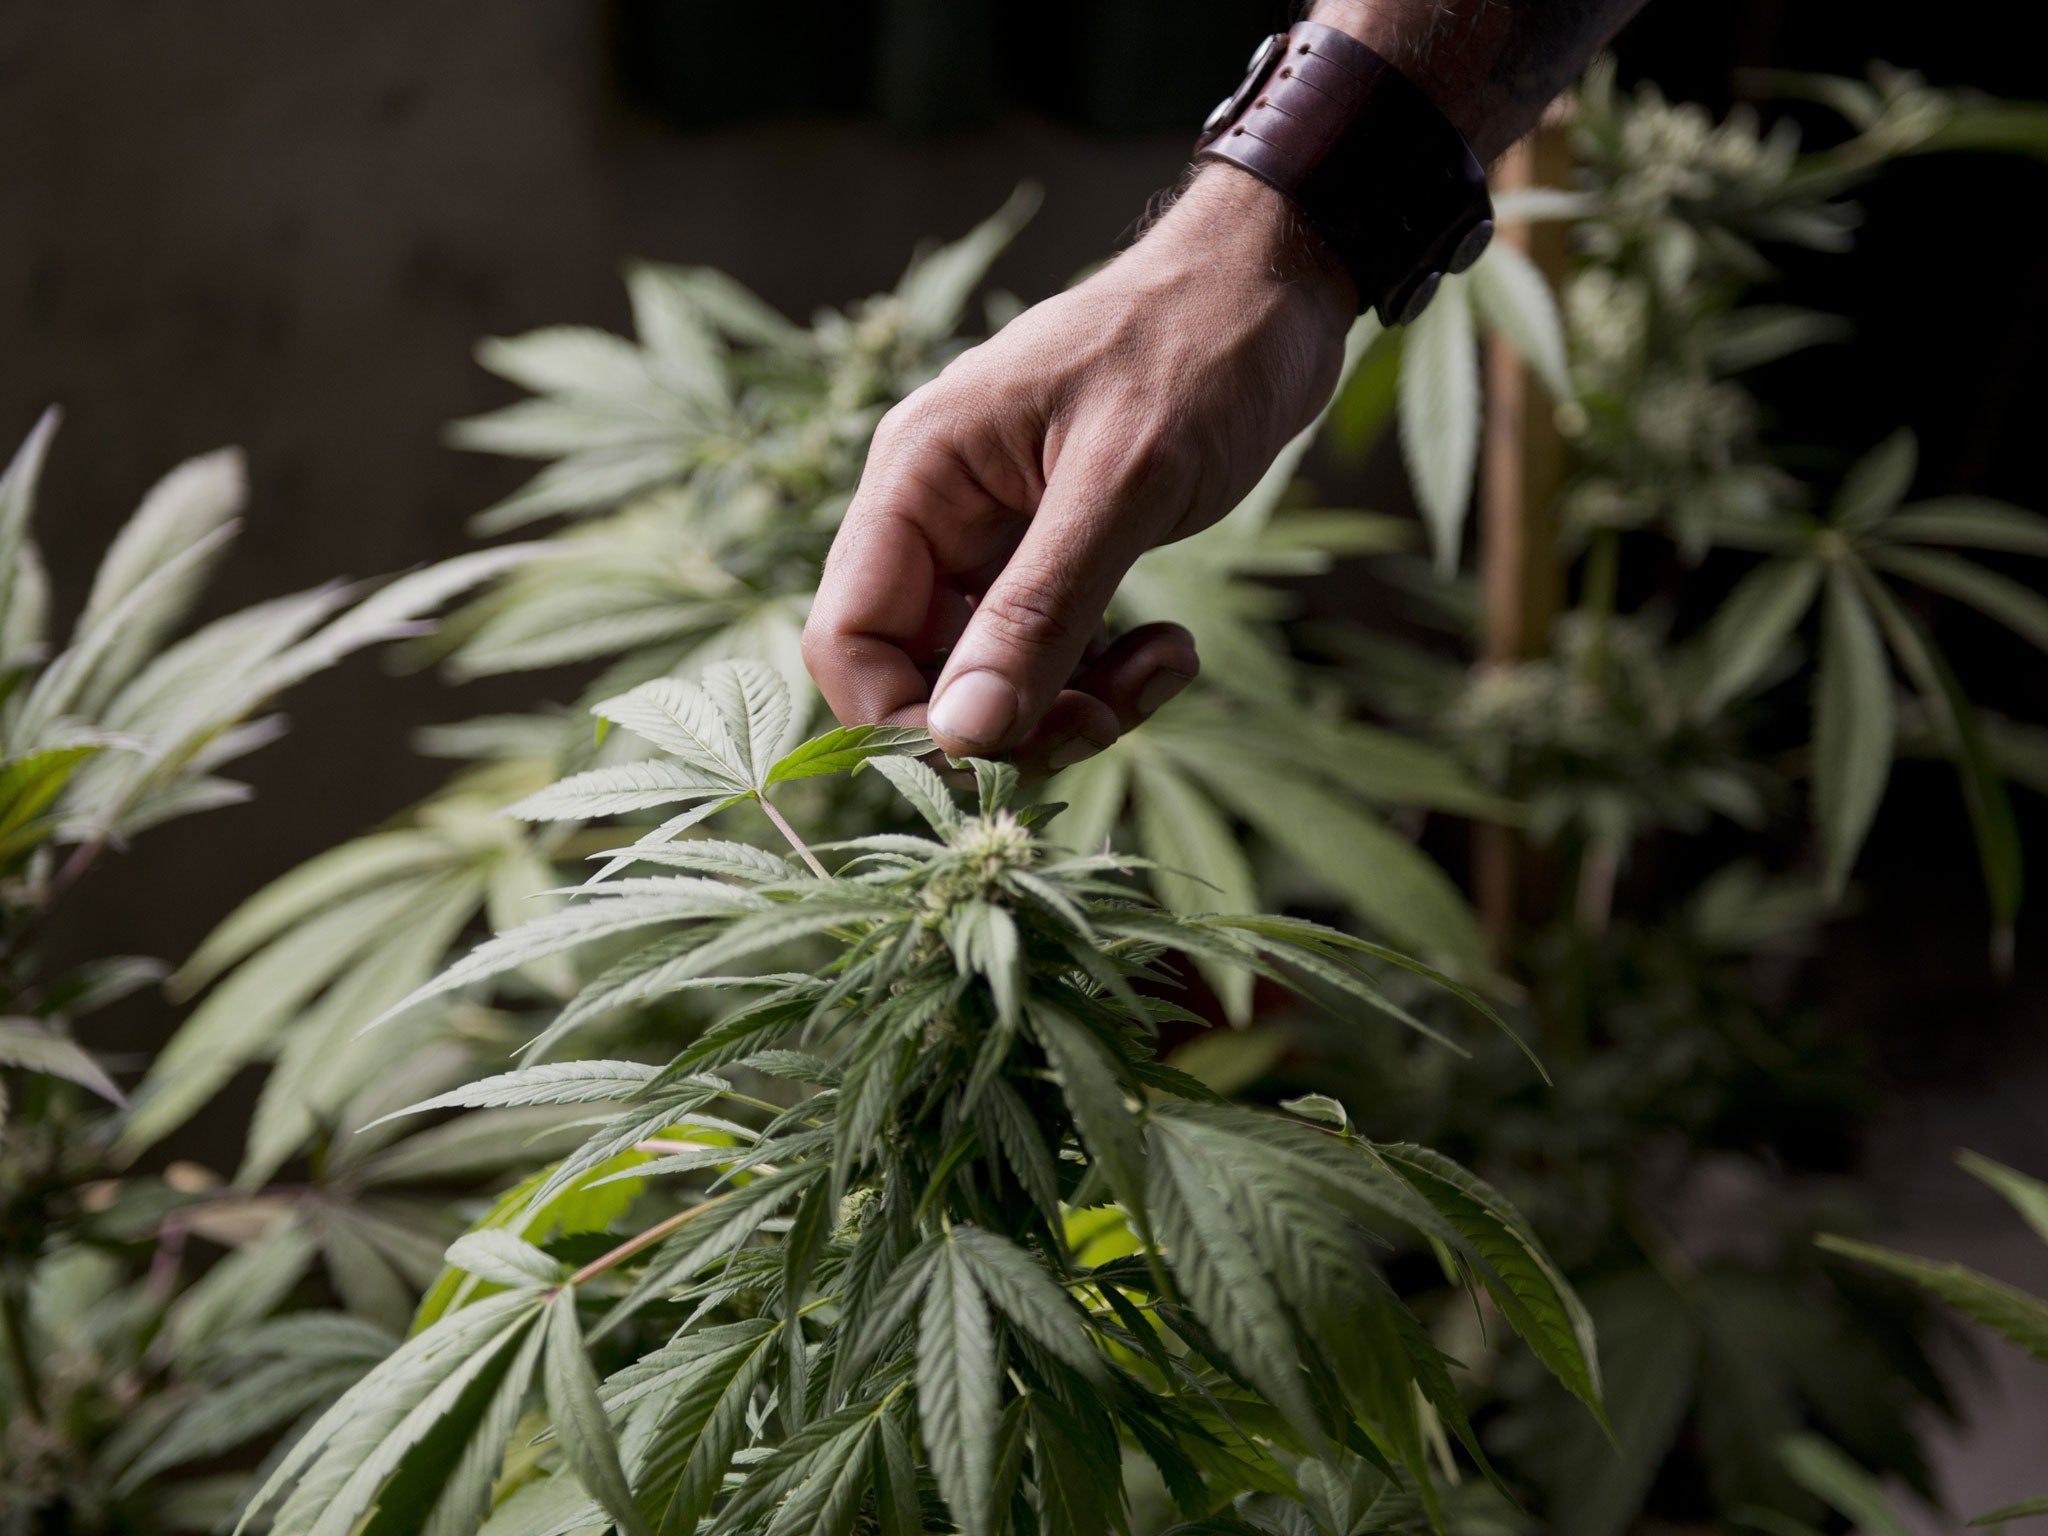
(1383, 177)
(1403, 33)
(1227, 220)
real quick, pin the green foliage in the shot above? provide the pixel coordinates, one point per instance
(2018, 1317)
(107, 732)
(1675, 228)
(853, 1293)
(1867, 628)
(1821, 1468)
(1828, 1475)
(724, 1188)
(1438, 394)
(1741, 654)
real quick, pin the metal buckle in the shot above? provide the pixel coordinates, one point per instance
(1264, 57)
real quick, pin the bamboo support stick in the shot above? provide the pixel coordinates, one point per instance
(1522, 467)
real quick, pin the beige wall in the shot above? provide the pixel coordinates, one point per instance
(285, 225)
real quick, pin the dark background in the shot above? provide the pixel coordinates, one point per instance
(285, 225)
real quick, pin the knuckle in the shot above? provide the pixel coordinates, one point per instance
(898, 426)
(823, 656)
(828, 649)
(919, 422)
(1156, 460)
(817, 645)
(1034, 615)
(1167, 458)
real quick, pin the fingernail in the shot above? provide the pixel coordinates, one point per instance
(1077, 749)
(976, 707)
(1159, 687)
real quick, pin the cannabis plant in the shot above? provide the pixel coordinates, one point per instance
(1671, 442)
(105, 734)
(702, 472)
(2018, 1317)
(917, 1235)
(705, 1295)
(1668, 994)
(1831, 1476)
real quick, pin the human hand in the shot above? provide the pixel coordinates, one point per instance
(1003, 502)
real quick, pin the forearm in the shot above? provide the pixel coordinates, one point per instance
(1491, 66)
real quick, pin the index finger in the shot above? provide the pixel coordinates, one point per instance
(870, 616)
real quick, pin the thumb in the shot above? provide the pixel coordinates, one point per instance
(1028, 633)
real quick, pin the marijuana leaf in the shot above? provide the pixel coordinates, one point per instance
(872, 1269)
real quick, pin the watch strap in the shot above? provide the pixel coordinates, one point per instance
(1384, 176)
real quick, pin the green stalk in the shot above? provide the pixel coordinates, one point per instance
(795, 842)
(640, 1240)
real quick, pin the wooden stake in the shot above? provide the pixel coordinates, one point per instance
(1522, 468)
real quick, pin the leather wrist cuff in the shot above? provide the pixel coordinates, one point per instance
(1382, 174)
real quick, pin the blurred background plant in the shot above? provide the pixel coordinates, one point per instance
(2021, 1319)
(1835, 1480)
(121, 728)
(1694, 690)
(1683, 1157)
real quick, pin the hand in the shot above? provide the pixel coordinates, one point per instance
(1003, 502)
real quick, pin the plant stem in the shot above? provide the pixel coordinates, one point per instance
(647, 1239)
(795, 842)
(1599, 865)
(161, 1281)
(15, 1341)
